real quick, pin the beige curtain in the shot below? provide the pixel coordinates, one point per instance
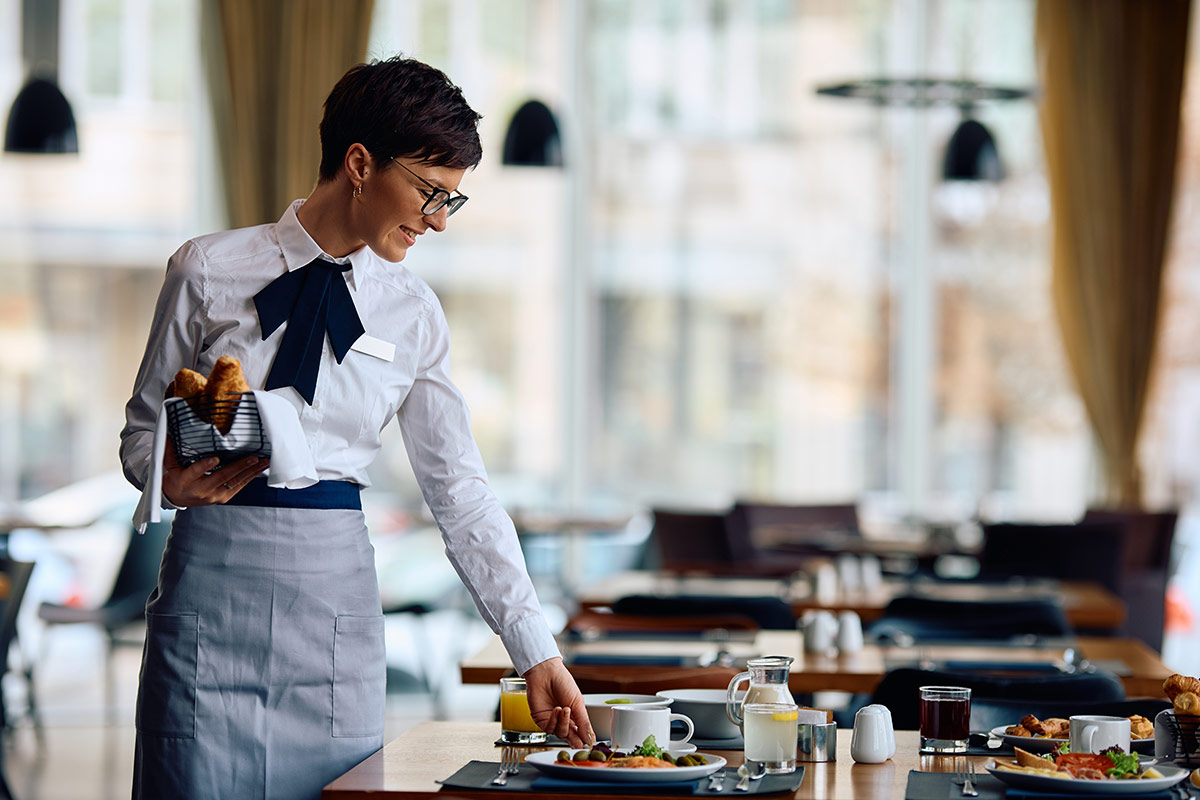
(1111, 74)
(271, 63)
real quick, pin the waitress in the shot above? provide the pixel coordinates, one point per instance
(263, 672)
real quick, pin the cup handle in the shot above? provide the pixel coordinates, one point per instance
(691, 729)
(731, 705)
(1085, 738)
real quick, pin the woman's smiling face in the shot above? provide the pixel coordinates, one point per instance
(390, 206)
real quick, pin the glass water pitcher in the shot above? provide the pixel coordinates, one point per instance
(768, 677)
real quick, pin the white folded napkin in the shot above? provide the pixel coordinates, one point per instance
(292, 465)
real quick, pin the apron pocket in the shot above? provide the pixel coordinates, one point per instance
(167, 695)
(359, 676)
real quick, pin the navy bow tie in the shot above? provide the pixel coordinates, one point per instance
(314, 300)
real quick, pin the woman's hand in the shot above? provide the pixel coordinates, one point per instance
(188, 487)
(557, 704)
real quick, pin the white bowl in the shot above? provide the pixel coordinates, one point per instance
(600, 710)
(706, 708)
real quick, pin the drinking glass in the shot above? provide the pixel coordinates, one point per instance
(516, 723)
(945, 719)
(770, 732)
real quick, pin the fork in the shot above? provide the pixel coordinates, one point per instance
(968, 788)
(508, 766)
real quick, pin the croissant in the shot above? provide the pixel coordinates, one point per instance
(1187, 703)
(1178, 684)
(225, 379)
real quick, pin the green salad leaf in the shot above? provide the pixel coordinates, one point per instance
(649, 748)
(1123, 763)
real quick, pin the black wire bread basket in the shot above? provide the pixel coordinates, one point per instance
(229, 428)
(1185, 731)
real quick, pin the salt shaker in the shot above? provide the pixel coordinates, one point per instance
(873, 740)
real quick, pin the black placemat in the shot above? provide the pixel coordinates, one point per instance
(478, 775)
(941, 786)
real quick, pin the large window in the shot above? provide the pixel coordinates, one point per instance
(752, 255)
(714, 299)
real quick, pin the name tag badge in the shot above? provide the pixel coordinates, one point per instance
(375, 347)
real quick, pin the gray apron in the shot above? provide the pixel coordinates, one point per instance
(263, 673)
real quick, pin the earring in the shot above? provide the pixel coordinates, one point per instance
(357, 191)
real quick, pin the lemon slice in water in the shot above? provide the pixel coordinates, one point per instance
(785, 716)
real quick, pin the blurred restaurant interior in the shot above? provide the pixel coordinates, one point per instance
(834, 303)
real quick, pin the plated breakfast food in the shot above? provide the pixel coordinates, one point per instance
(1043, 735)
(647, 763)
(1110, 772)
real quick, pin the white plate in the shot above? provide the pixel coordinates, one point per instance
(547, 762)
(1040, 744)
(1041, 783)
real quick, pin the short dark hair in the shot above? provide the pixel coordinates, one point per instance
(400, 107)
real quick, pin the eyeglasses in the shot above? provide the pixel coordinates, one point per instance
(437, 197)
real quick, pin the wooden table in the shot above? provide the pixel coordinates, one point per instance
(411, 765)
(1088, 606)
(857, 673)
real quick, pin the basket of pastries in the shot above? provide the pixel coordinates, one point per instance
(1184, 720)
(214, 415)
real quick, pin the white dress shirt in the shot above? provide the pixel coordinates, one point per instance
(206, 310)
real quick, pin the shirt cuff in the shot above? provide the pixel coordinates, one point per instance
(529, 642)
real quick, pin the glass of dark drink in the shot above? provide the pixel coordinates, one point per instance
(945, 719)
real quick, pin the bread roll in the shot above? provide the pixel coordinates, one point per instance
(225, 380)
(1187, 703)
(1178, 684)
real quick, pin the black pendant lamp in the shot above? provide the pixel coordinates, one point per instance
(971, 154)
(533, 139)
(41, 120)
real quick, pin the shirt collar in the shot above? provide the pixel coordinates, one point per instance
(300, 250)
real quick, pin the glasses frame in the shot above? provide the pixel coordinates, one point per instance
(437, 196)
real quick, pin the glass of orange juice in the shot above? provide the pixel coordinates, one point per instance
(516, 723)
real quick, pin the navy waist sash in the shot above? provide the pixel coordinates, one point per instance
(322, 494)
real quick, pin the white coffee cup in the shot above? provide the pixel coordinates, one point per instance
(1094, 733)
(632, 724)
(874, 738)
(849, 632)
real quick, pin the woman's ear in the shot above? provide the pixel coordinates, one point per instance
(358, 164)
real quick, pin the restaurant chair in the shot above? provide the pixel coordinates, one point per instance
(802, 528)
(769, 613)
(1145, 568)
(925, 619)
(899, 691)
(694, 541)
(126, 603)
(14, 580)
(1086, 551)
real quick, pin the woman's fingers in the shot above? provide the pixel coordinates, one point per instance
(233, 478)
